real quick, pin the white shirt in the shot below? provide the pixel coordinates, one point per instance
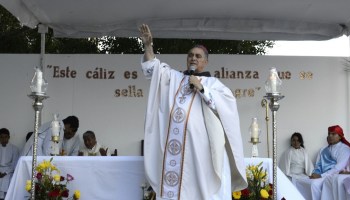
(8, 160)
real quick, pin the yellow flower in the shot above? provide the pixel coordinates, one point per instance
(44, 165)
(54, 168)
(262, 175)
(47, 179)
(76, 194)
(28, 185)
(264, 194)
(57, 177)
(236, 195)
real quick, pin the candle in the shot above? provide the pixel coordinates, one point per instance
(273, 80)
(55, 126)
(39, 80)
(254, 128)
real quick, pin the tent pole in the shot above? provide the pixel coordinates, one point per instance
(42, 29)
(347, 69)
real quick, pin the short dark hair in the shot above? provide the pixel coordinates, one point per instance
(205, 50)
(89, 133)
(300, 138)
(73, 121)
(4, 131)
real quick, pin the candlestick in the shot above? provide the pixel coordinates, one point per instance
(254, 136)
(37, 105)
(55, 138)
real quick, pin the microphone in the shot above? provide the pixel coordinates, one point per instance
(192, 69)
(191, 72)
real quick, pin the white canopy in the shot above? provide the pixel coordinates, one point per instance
(205, 19)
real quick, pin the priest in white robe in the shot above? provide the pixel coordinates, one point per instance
(193, 146)
(295, 162)
(9, 155)
(331, 160)
(69, 141)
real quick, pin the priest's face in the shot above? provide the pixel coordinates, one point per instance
(69, 132)
(4, 139)
(333, 138)
(89, 141)
(196, 57)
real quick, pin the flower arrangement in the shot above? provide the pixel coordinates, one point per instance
(257, 185)
(49, 184)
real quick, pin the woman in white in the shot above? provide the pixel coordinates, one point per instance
(295, 162)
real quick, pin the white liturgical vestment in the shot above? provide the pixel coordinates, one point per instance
(295, 163)
(95, 151)
(189, 133)
(8, 159)
(70, 147)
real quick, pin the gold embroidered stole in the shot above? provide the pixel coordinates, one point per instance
(176, 138)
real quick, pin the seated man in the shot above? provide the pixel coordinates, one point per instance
(69, 142)
(8, 159)
(92, 147)
(331, 160)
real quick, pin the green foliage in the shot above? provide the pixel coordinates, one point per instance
(15, 38)
(180, 46)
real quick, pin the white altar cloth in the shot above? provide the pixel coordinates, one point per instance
(97, 177)
(116, 177)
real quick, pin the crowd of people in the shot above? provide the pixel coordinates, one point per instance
(69, 145)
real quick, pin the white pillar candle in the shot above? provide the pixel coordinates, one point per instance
(39, 80)
(254, 128)
(273, 81)
(55, 126)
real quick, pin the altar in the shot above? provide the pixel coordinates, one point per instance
(96, 177)
(116, 177)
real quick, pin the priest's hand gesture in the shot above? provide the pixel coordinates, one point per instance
(147, 40)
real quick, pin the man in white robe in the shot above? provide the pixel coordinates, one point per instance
(69, 141)
(9, 154)
(346, 184)
(333, 187)
(193, 146)
(331, 160)
(92, 147)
